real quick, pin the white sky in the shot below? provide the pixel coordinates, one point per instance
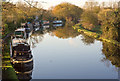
(55, 2)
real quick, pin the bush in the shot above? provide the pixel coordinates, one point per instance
(89, 20)
(110, 24)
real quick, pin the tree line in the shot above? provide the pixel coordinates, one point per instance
(15, 14)
(93, 17)
(103, 19)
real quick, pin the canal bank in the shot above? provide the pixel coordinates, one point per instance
(8, 72)
(96, 35)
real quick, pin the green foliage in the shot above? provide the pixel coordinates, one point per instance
(110, 24)
(9, 74)
(89, 20)
(111, 52)
(67, 11)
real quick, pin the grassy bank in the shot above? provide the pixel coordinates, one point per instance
(8, 71)
(96, 35)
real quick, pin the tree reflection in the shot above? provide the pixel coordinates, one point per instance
(87, 40)
(112, 53)
(66, 32)
(35, 38)
(24, 71)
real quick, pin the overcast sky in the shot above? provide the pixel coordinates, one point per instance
(50, 3)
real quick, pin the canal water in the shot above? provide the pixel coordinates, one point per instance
(63, 53)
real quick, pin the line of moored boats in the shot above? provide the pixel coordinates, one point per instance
(21, 54)
(20, 50)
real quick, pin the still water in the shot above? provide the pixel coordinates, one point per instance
(60, 54)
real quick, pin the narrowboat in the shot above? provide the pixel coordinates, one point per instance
(23, 71)
(21, 53)
(20, 33)
(46, 24)
(58, 22)
(57, 25)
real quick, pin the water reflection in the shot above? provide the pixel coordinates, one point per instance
(66, 32)
(112, 56)
(24, 71)
(119, 73)
(38, 36)
(87, 40)
(35, 38)
(46, 26)
(110, 52)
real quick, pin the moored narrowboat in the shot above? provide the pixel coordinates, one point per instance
(24, 71)
(58, 22)
(21, 53)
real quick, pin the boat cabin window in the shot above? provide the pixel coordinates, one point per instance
(21, 55)
(19, 34)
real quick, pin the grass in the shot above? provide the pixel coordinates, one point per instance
(9, 74)
(87, 32)
(8, 71)
(97, 29)
(96, 33)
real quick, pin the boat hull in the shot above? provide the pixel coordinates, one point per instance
(14, 61)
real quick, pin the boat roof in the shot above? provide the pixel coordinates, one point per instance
(45, 21)
(20, 29)
(57, 21)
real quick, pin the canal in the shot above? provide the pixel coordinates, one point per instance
(63, 53)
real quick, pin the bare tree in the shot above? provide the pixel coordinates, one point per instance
(103, 4)
(90, 4)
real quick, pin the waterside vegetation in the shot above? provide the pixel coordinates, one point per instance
(99, 22)
(103, 24)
